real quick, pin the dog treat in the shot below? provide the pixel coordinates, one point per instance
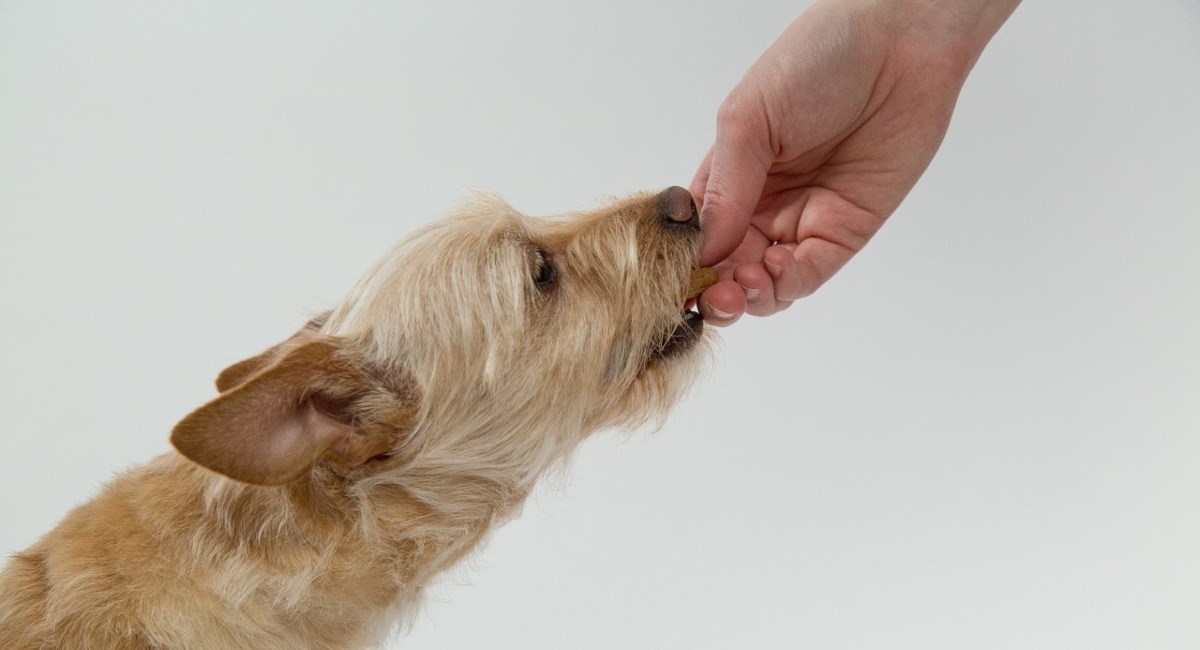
(701, 280)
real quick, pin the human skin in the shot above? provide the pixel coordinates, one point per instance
(824, 137)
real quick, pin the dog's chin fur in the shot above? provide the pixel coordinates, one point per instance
(407, 423)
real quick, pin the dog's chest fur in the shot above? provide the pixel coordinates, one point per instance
(291, 568)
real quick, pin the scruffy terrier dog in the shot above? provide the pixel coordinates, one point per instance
(337, 473)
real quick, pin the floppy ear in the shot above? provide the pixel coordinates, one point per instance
(238, 372)
(271, 428)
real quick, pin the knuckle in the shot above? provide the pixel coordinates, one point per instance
(809, 278)
(736, 115)
(716, 199)
(731, 113)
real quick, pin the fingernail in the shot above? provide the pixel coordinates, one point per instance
(752, 294)
(775, 269)
(716, 312)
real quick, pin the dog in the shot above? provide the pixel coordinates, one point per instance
(336, 474)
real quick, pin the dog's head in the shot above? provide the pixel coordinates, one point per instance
(489, 341)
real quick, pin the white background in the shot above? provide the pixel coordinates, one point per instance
(984, 433)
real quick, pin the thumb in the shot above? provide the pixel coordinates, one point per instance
(733, 185)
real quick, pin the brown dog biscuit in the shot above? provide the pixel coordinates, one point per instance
(701, 280)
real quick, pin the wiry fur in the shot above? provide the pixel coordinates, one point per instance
(431, 400)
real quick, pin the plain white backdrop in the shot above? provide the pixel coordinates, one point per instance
(984, 433)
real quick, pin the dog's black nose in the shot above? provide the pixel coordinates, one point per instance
(677, 209)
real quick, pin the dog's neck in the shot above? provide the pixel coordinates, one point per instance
(368, 541)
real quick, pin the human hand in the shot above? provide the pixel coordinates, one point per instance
(823, 138)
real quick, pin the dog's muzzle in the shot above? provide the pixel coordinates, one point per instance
(677, 212)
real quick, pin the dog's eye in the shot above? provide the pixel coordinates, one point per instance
(544, 273)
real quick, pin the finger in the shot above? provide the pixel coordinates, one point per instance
(780, 262)
(816, 260)
(740, 160)
(723, 303)
(749, 254)
(758, 287)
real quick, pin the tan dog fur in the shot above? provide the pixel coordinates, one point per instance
(338, 473)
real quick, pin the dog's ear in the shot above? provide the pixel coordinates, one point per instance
(238, 372)
(272, 427)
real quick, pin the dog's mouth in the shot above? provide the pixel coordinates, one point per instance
(682, 338)
(687, 332)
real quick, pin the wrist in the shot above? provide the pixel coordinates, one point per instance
(957, 29)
